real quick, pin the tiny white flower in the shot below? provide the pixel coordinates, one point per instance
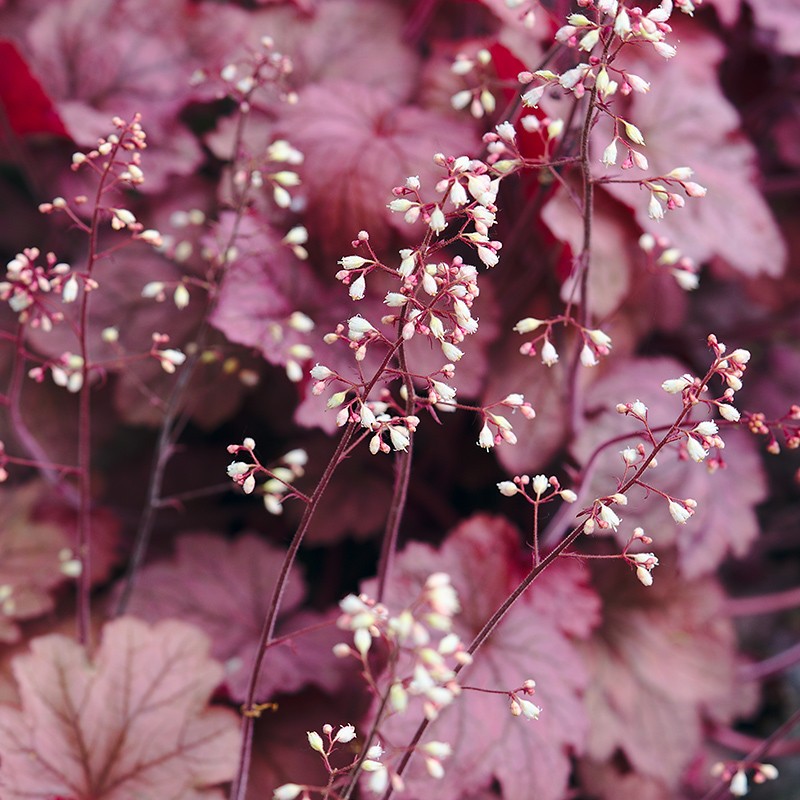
(679, 512)
(728, 412)
(70, 291)
(639, 408)
(549, 353)
(610, 154)
(568, 496)
(677, 385)
(738, 785)
(706, 428)
(529, 710)
(353, 262)
(486, 437)
(437, 221)
(588, 358)
(507, 488)
(633, 133)
(609, 516)
(320, 372)
(357, 288)
(287, 791)
(527, 325)
(740, 356)
(644, 576)
(315, 740)
(400, 436)
(696, 450)
(540, 485)
(629, 455)
(181, 296)
(451, 352)
(345, 734)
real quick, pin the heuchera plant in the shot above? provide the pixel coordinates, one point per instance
(390, 392)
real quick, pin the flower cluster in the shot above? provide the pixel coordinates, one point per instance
(423, 652)
(280, 476)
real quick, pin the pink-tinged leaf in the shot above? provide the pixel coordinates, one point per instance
(358, 144)
(724, 522)
(130, 722)
(30, 563)
(485, 559)
(652, 684)
(612, 781)
(686, 121)
(340, 39)
(119, 58)
(225, 588)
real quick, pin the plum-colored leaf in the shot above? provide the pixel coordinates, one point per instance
(651, 684)
(129, 722)
(727, 10)
(358, 144)
(724, 522)
(225, 588)
(25, 105)
(485, 560)
(686, 121)
(30, 566)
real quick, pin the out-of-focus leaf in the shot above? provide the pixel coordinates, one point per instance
(662, 661)
(29, 559)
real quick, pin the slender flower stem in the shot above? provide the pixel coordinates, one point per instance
(492, 623)
(239, 787)
(402, 478)
(85, 417)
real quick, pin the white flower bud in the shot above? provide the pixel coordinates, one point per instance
(345, 734)
(540, 485)
(549, 353)
(696, 450)
(357, 288)
(679, 512)
(486, 437)
(437, 222)
(644, 576)
(728, 412)
(287, 791)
